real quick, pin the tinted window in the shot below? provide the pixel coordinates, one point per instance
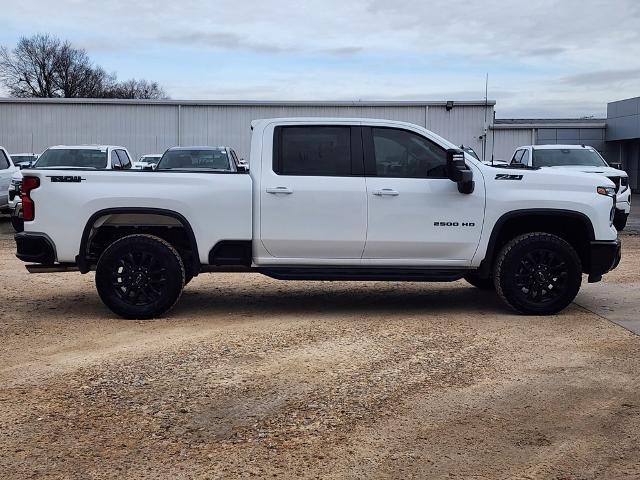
(187, 159)
(525, 157)
(567, 156)
(517, 157)
(404, 154)
(76, 157)
(22, 158)
(115, 160)
(4, 161)
(313, 150)
(125, 161)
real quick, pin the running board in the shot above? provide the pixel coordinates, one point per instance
(364, 274)
(62, 267)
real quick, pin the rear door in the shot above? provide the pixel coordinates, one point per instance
(416, 215)
(313, 201)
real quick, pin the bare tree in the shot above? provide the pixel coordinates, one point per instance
(44, 66)
(30, 69)
(77, 77)
(137, 89)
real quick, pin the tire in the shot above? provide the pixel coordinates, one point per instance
(620, 221)
(140, 276)
(479, 282)
(17, 224)
(538, 274)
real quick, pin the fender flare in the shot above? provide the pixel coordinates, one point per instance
(485, 265)
(81, 258)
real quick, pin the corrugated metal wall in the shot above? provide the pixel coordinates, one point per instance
(154, 126)
(507, 140)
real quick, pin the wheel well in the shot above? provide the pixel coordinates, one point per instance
(105, 227)
(573, 227)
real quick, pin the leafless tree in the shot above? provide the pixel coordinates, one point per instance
(45, 66)
(30, 69)
(137, 89)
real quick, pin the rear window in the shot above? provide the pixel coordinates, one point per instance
(313, 151)
(566, 157)
(195, 159)
(82, 158)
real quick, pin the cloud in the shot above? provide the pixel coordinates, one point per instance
(604, 77)
(224, 40)
(538, 53)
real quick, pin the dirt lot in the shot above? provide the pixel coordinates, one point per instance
(253, 377)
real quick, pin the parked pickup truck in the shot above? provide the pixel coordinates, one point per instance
(108, 157)
(581, 158)
(325, 199)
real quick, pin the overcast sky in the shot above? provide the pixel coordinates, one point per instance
(544, 57)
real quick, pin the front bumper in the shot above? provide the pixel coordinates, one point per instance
(35, 248)
(604, 256)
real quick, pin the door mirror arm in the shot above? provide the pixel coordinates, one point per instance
(457, 171)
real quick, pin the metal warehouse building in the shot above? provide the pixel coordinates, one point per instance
(145, 126)
(31, 125)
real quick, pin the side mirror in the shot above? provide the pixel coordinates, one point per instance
(148, 168)
(243, 166)
(615, 165)
(457, 171)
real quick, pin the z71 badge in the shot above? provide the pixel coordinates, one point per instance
(66, 178)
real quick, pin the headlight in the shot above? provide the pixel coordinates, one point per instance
(608, 191)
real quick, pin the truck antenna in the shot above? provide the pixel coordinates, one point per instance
(486, 106)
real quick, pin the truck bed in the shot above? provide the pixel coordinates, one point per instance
(216, 205)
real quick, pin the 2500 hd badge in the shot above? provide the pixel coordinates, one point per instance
(454, 224)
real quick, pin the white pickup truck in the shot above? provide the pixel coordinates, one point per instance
(580, 158)
(325, 199)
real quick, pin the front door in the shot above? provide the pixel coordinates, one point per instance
(416, 216)
(313, 202)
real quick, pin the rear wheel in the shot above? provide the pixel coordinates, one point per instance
(480, 282)
(538, 274)
(140, 276)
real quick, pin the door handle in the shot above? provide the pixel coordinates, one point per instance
(275, 190)
(386, 192)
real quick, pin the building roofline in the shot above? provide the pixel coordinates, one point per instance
(258, 103)
(568, 123)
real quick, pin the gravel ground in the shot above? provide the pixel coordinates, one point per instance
(252, 377)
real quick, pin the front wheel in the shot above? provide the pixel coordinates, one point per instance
(140, 276)
(538, 274)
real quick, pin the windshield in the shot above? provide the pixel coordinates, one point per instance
(566, 157)
(73, 157)
(211, 159)
(22, 158)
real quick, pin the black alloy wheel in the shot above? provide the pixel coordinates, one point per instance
(140, 276)
(538, 274)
